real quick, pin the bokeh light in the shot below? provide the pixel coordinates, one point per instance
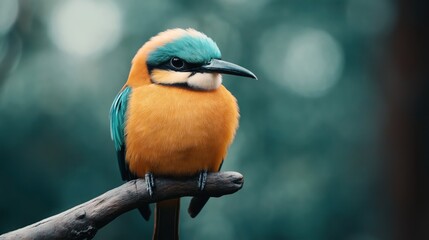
(310, 63)
(313, 63)
(86, 28)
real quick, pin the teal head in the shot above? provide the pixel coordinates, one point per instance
(186, 58)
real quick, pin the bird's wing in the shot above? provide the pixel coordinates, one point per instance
(118, 113)
(117, 125)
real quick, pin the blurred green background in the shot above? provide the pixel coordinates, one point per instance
(333, 137)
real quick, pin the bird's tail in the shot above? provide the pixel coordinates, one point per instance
(167, 220)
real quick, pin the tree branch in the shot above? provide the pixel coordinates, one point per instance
(83, 221)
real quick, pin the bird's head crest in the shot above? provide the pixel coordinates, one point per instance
(188, 45)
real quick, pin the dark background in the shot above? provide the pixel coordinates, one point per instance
(333, 138)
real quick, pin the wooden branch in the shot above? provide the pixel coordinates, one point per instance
(83, 221)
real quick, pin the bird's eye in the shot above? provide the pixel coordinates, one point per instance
(177, 63)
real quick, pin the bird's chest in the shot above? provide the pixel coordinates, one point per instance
(171, 130)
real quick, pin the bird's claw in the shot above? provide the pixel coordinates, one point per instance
(150, 183)
(202, 180)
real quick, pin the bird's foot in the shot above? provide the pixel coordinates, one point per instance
(150, 183)
(202, 180)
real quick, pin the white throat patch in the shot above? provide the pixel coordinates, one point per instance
(200, 81)
(205, 81)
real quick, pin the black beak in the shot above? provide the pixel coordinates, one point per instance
(219, 66)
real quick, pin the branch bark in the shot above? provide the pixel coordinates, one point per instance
(83, 221)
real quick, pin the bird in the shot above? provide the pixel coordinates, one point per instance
(173, 117)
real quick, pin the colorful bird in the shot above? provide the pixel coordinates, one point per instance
(173, 117)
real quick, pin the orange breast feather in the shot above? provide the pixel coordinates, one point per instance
(176, 131)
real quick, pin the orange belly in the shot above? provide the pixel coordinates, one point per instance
(175, 131)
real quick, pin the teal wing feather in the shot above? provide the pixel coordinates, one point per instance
(118, 113)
